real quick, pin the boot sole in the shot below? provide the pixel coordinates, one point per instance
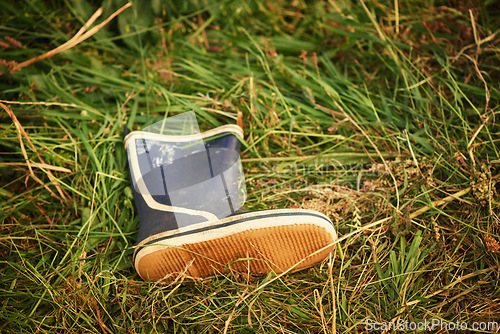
(256, 242)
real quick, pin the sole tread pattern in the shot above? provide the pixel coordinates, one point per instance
(266, 249)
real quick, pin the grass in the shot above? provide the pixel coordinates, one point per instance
(376, 113)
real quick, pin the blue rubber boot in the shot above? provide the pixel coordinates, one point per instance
(189, 191)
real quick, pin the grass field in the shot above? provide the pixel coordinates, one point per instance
(377, 113)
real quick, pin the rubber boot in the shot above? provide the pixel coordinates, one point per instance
(189, 191)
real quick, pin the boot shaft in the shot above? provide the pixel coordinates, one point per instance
(182, 177)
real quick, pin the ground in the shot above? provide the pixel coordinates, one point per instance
(381, 114)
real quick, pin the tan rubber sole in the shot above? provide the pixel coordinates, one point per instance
(262, 250)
